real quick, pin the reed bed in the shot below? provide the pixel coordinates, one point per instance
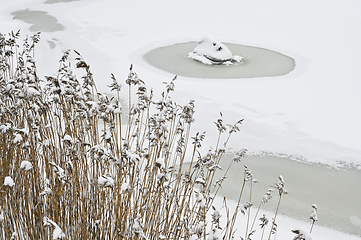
(79, 164)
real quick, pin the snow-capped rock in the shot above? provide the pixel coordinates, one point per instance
(212, 52)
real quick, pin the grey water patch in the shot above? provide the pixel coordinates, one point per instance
(58, 1)
(52, 44)
(335, 191)
(41, 21)
(257, 62)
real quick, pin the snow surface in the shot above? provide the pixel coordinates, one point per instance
(312, 112)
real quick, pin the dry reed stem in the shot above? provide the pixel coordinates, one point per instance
(92, 175)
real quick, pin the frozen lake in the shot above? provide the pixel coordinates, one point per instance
(257, 62)
(307, 99)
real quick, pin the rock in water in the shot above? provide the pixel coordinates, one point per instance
(212, 52)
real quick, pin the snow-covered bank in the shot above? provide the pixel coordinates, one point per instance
(313, 112)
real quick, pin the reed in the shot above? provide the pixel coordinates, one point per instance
(74, 164)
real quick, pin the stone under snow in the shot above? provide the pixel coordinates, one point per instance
(213, 52)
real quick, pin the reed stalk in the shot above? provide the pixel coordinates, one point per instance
(98, 165)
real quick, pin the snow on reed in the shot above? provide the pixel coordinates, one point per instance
(91, 170)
